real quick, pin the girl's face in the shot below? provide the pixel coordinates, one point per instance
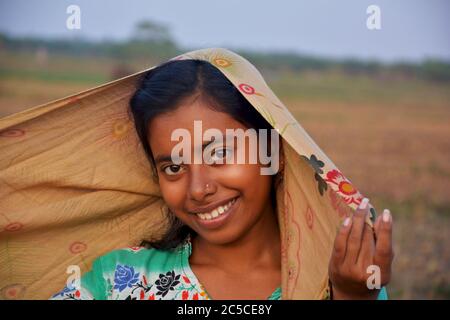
(221, 202)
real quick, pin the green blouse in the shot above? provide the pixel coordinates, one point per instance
(139, 273)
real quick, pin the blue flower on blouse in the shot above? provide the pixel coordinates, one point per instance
(67, 289)
(124, 277)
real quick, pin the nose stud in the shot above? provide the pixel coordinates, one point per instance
(208, 188)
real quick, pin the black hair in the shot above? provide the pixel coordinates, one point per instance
(161, 90)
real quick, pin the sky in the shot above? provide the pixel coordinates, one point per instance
(411, 30)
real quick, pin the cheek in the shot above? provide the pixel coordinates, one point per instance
(247, 179)
(173, 193)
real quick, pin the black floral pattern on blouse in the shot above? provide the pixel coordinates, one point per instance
(166, 282)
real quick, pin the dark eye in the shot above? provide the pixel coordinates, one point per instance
(173, 169)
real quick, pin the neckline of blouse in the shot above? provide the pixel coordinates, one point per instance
(185, 252)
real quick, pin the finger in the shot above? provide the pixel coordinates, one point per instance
(383, 248)
(367, 250)
(340, 242)
(356, 233)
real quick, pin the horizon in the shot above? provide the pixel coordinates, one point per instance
(410, 32)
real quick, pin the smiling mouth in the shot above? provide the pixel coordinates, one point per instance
(217, 212)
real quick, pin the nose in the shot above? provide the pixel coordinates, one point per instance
(200, 183)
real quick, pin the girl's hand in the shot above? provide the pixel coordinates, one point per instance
(355, 249)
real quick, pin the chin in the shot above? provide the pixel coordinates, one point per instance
(220, 237)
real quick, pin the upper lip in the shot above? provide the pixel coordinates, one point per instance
(211, 207)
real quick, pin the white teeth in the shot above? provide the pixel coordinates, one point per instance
(216, 212)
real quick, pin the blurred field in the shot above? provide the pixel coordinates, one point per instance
(389, 136)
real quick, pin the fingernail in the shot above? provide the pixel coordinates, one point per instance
(364, 203)
(347, 221)
(386, 215)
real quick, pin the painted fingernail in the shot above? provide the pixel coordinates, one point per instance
(364, 203)
(347, 221)
(386, 215)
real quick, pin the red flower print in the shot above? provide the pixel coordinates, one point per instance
(186, 279)
(195, 297)
(141, 295)
(337, 203)
(152, 297)
(185, 295)
(144, 279)
(13, 227)
(247, 89)
(309, 217)
(12, 133)
(12, 292)
(77, 293)
(77, 247)
(345, 187)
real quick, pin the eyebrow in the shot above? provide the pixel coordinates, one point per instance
(164, 158)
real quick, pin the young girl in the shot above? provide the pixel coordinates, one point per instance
(223, 237)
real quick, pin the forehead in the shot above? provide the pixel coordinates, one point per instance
(161, 127)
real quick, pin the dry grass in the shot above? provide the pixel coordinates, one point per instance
(20, 94)
(400, 159)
